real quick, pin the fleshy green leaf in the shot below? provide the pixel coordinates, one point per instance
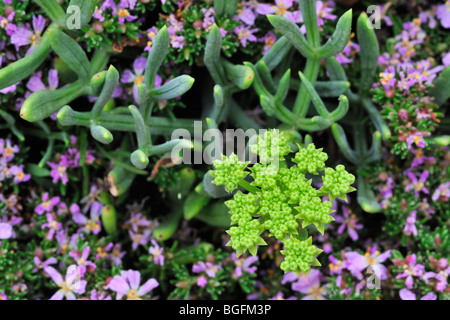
(71, 53)
(339, 38)
(174, 88)
(292, 32)
(110, 84)
(212, 55)
(369, 53)
(160, 48)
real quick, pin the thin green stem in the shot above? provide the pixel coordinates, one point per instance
(301, 105)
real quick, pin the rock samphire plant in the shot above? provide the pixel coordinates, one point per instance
(281, 198)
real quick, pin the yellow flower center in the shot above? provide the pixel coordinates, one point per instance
(138, 80)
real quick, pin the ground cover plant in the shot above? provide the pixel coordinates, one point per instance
(212, 149)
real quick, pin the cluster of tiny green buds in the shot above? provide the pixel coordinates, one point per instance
(310, 159)
(281, 221)
(315, 212)
(242, 207)
(295, 185)
(246, 236)
(337, 182)
(270, 145)
(265, 176)
(273, 195)
(299, 255)
(229, 172)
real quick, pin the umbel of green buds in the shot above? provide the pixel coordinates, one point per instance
(281, 199)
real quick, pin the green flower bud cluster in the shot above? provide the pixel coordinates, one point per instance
(265, 176)
(336, 183)
(310, 159)
(229, 172)
(299, 255)
(274, 193)
(295, 185)
(315, 212)
(242, 207)
(246, 236)
(281, 222)
(272, 144)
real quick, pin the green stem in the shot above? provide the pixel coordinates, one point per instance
(301, 105)
(308, 8)
(99, 60)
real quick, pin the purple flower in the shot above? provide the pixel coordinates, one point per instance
(52, 225)
(124, 15)
(47, 204)
(5, 231)
(442, 192)
(280, 296)
(139, 238)
(95, 295)
(350, 222)
(81, 258)
(128, 285)
(446, 59)
(336, 266)
(91, 224)
(22, 36)
(35, 83)
(358, 262)
(70, 285)
(208, 267)
(418, 185)
(310, 286)
(6, 23)
(443, 14)
(138, 221)
(202, 281)
(151, 34)
(243, 265)
(245, 34)
(411, 269)
(304, 281)
(19, 175)
(269, 40)
(43, 264)
(441, 277)
(117, 255)
(58, 172)
(406, 294)
(138, 76)
(65, 242)
(7, 150)
(410, 226)
(156, 252)
(420, 158)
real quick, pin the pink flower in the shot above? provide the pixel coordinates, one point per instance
(411, 269)
(406, 294)
(71, 285)
(358, 262)
(5, 231)
(128, 285)
(245, 34)
(156, 252)
(350, 222)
